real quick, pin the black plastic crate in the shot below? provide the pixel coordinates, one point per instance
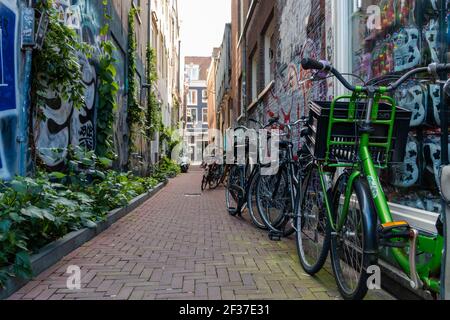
(319, 119)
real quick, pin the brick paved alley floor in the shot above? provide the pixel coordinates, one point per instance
(182, 246)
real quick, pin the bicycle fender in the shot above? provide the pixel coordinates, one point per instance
(369, 215)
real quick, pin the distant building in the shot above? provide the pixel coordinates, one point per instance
(195, 114)
(211, 87)
(223, 97)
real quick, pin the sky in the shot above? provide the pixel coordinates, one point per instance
(202, 25)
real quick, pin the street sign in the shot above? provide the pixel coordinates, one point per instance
(27, 33)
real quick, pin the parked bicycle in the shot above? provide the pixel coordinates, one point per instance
(341, 206)
(242, 178)
(213, 174)
(276, 192)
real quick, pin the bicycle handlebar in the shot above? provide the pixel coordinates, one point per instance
(433, 69)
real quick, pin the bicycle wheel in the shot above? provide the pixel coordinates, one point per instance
(204, 182)
(233, 193)
(273, 198)
(216, 177)
(253, 205)
(349, 256)
(313, 230)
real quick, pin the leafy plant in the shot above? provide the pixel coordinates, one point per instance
(135, 113)
(37, 211)
(57, 66)
(108, 89)
(154, 116)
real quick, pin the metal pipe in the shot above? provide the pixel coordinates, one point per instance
(22, 139)
(27, 46)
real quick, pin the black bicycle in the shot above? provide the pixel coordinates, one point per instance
(242, 178)
(276, 191)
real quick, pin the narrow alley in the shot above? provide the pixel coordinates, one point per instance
(181, 246)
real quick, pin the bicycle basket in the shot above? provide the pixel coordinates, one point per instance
(343, 146)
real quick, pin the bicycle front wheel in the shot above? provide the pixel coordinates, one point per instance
(349, 256)
(311, 223)
(233, 192)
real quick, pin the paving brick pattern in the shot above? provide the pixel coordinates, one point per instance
(179, 245)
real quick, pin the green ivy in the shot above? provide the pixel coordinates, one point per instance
(135, 112)
(56, 66)
(108, 89)
(154, 116)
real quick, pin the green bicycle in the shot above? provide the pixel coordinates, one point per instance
(341, 207)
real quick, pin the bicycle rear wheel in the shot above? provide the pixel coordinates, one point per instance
(216, 177)
(233, 192)
(273, 202)
(313, 230)
(253, 205)
(349, 256)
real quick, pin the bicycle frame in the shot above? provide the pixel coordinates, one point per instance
(366, 168)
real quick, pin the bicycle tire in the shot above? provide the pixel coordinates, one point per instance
(232, 191)
(252, 204)
(360, 256)
(276, 222)
(313, 231)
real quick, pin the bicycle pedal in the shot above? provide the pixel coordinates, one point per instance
(390, 234)
(275, 236)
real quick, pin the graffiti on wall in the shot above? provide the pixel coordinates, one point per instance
(292, 89)
(8, 87)
(64, 125)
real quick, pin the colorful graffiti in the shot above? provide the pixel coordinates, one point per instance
(8, 87)
(64, 125)
(292, 89)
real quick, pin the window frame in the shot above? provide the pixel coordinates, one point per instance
(191, 101)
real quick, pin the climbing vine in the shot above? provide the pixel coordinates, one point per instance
(108, 89)
(56, 66)
(135, 111)
(153, 117)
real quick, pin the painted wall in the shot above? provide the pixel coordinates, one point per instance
(9, 87)
(64, 125)
(289, 94)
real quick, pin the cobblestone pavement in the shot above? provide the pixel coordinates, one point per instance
(179, 245)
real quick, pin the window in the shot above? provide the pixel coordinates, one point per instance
(205, 115)
(193, 72)
(191, 116)
(254, 76)
(269, 49)
(204, 96)
(192, 98)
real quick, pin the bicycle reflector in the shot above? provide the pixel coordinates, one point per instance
(394, 225)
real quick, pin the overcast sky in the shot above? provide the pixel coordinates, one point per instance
(202, 25)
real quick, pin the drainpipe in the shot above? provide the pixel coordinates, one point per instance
(445, 265)
(27, 45)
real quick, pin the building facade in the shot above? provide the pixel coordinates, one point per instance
(211, 92)
(196, 106)
(369, 39)
(65, 125)
(223, 83)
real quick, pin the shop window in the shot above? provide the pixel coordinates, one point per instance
(389, 38)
